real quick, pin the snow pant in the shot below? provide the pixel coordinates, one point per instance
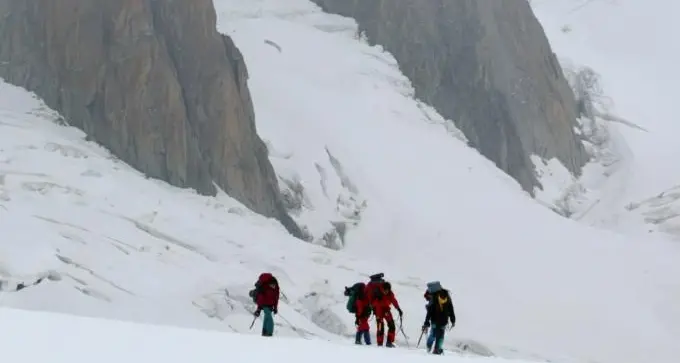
(438, 332)
(362, 330)
(380, 319)
(267, 322)
(430, 338)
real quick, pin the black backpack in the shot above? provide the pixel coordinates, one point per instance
(377, 281)
(440, 299)
(377, 277)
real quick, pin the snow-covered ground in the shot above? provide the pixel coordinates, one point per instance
(370, 170)
(133, 248)
(64, 338)
(428, 196)
(633, 46)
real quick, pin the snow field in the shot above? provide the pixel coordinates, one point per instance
(419, 205)
(436, 207)
(64, 338)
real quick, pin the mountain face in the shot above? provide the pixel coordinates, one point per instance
(154, 82)
(485, 64)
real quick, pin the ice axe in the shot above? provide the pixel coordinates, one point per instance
(422, 332)
(254, 319)
(401, 328)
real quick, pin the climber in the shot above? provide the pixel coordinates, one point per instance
(430, 337)
(266, 296)
(439, 312)
(357, 303)
(381, 298)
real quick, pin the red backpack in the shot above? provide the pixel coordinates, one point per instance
(266, 281)
(266, 278)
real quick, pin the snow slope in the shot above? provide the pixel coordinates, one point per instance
(353, 149)
(64, 338)
(133, 248)
(136, 248)
(633, 46)
(439, 209)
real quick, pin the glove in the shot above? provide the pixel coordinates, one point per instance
(257, 312)
(275, 311)
(425, 327)
(453, 323)
(356, 321)
(401, 313)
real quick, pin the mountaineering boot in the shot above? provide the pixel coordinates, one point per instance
(357, 338)
(389, 345)
(438, 351)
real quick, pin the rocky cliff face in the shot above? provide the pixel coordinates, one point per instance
(487, 65)
(153, 82)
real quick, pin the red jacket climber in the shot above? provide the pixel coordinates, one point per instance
(382, 301)
(267, 293)
(363, 312)
(381, 298)
(363, 307)
(266, 297)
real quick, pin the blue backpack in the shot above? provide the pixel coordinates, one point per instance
(433, 287)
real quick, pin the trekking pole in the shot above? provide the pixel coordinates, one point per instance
(422, 332)
(401, 328)
(253, 323)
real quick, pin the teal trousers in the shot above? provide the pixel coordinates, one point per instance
(267, 322)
